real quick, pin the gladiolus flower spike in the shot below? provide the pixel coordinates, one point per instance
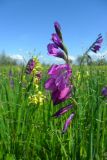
(33, 66)
(30, 66)
(59, 81)
(97, 44)
(57, 48)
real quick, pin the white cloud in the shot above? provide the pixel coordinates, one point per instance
(73, 58)
(41, 56)
(17, 57)
(98, 55)
(104, 53)
(59, 60)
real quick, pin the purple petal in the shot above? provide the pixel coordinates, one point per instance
(55, 95)
(95, 48)
(30, 66)
(53, 50)
(104, 91)
(58, 29)
(57, 40)
(99, 41)
(97, 44)
(65, 93)
(62, 68)
(53, 69)
(57, 26)
(50, 84)
(67, 123)
(59, 82)
(62, 111)
(50, 46)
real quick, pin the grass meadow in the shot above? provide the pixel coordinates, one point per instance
(29, 132)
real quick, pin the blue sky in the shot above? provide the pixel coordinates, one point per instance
(26, 25)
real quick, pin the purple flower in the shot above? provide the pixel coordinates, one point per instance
(10, 73)
(58, 29)
(11, 81)
(54, 50)
(97, 44)
(95, 48)
(59, 83)
(50, 84)
(30, 66)
(56, 39)
(56, 69)
(57, 26)
(104, 91)
(59, 96)
(62, 111)
(67, 123)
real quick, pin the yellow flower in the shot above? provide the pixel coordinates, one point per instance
(38, 66)
(37, 98)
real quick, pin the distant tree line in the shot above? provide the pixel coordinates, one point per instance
(89, 61)
(6, 60)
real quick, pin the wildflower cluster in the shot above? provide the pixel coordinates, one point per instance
(97, 44)
(38, 98)
(95, 47)
(34, 68)
(59, 80)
